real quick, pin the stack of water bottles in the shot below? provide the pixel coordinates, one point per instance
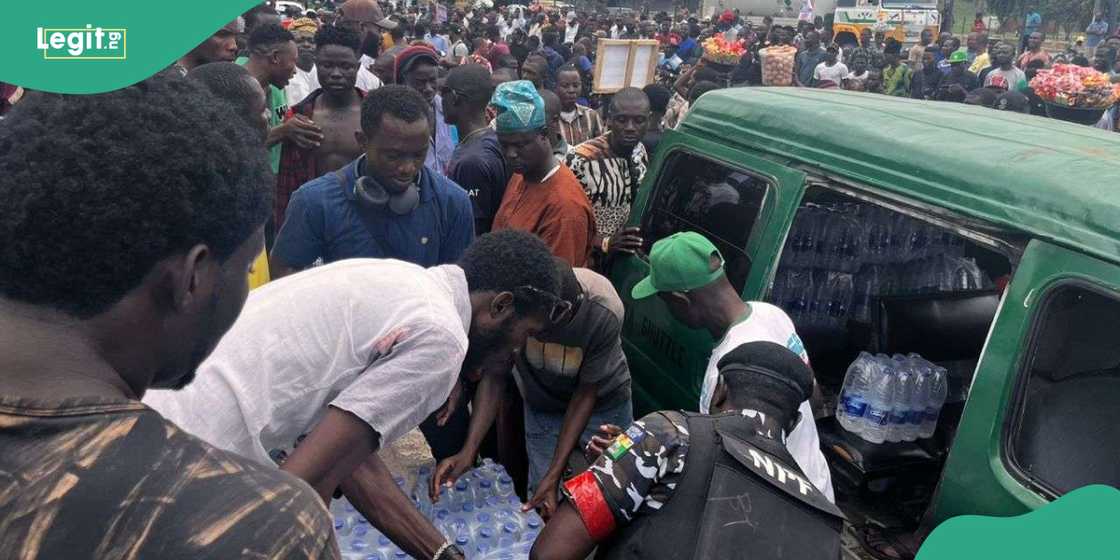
(841, 256)
(480, 513)
(892, 398)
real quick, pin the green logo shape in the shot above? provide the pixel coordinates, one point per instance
(1081, 524)
(89, 46)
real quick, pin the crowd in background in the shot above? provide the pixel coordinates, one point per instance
(987, 71)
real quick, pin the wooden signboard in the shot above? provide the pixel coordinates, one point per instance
(624, 63)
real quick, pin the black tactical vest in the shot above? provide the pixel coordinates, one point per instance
(742, 496)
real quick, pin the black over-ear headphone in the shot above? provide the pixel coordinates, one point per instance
(371, 194)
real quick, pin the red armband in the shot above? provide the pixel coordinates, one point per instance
(588, 500)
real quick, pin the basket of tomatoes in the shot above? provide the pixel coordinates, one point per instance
(1075, 93)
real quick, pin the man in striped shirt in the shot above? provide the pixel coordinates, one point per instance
(578, 124)
(610, 168)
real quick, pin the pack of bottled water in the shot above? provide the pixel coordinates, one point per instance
(480, 513)
(840, 256)
(892, 398)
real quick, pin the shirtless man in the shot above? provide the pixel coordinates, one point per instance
(335, 108)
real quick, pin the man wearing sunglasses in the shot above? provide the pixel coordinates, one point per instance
(326, 367)
(573, 378)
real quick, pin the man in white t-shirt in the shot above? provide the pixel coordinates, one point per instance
(325, 367)
(831, 69)
(686, 272)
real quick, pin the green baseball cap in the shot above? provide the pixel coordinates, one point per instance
(958, 56)
(679, 263)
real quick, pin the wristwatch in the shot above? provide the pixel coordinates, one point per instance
(449, 552)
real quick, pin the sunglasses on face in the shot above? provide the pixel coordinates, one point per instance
(558, 308)
(451, 92)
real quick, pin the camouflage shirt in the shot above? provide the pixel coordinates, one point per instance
(110, 478)
(640, 470)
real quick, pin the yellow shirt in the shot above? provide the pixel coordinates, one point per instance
(258, 276)
(386, 41)
(981, 62)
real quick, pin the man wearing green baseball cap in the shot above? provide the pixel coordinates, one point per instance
(686, 271)
(956, 85)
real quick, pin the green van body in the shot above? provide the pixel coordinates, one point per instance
(1051, 184)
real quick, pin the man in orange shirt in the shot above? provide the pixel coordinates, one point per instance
(543, 196)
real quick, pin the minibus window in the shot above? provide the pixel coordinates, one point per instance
(1067, 433)
(698, 194)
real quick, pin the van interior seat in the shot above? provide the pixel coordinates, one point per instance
(1068, 436)
(940, 327)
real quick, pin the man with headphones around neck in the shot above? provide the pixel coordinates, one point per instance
(385, 204)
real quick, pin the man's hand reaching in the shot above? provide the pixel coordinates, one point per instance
(601, 441)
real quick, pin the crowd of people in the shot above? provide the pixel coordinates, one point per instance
(424, 204)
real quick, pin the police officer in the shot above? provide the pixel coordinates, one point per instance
(682, 485)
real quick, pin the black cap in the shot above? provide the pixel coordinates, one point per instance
(773, 361)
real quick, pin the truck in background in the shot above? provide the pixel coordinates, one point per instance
(904, 20)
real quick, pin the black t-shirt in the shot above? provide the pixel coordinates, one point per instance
(110, 478)
(477, 165)
(519, 51)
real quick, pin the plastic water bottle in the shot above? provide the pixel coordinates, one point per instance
(903, 399)
(837, 304)
(484, 488)
(463, 494)
(481, 550)
(490, 469)
(879, 405)
(486, 535)
(362, 531)
(799, 295)
(939, 390)
(385, 546)
(505, 543)
(922, 378)
(341, 527)
(510, 530)
(505, 486)
(533, 521)
(463, 542)
(852, 404)
(359, 547)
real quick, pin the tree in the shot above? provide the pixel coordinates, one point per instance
(1066, 15)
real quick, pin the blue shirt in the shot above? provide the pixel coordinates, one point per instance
(324, 220)
(684, 51)
(555, 61)
(438, 42)
(585, 64)
(441, 146)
